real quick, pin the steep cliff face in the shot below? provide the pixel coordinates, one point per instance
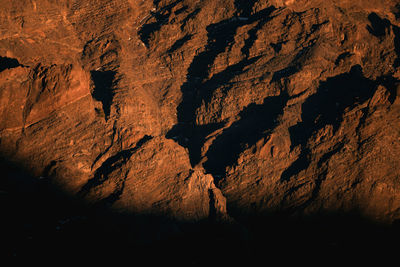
(198, 110)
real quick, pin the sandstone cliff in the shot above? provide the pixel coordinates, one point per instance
(206, 110)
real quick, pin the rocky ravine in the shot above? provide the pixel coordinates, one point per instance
(206, 110)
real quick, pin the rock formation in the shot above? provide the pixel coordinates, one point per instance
(206, 110)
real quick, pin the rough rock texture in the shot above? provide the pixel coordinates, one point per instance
(198, 110)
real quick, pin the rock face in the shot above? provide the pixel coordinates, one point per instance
(199, 110)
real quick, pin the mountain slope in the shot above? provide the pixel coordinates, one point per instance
(200, 110)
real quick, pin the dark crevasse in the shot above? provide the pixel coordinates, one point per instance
(8, 63)
(103, 82)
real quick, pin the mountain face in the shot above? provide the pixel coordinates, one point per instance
(204, 110)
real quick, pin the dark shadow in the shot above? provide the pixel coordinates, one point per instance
(262, 17)
(333, 97)
(40, 223)
(190, 16)
(284, 73)
(379, 27)
(277, 47)
(294, 66)
(326, 157)
(326, 107)
(198, 135)
(103, 83)
(244, 7)
(8, 63)
(337, 237)
(342, 57)
(256, 121)
(193, 90)
(179, 43)
(301, 163)
(391, 84)
(48, 169)
(223, 78)
(396, 11)
(147, 30)
(111, 164)
(156, 2)
(198, 89)
(396, 31)
(160, 16)
(181, 10)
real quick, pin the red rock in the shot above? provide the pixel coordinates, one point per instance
(198, 109)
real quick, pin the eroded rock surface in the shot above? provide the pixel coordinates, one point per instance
(201, 110)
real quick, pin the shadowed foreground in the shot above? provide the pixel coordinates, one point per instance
(41, 224)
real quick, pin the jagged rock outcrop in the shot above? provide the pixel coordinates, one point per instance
(206, 109)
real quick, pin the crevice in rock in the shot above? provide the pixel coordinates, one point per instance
(181, 10)
(284, 73)
(256, 121)
(223, 78)
(115, 195)
(37, 86)
(329, 154)
(212, 210)
(301, 163)
(219, 37)
(342, 57)
(113, 163)
(379, 27)
(277, 46)
(8, 63)
(189, 17)
(317, 188)
(391, 84)
(361, 123)
(108, 147)
(295, 65)
(327, 107)
(179, 43)
(262, 17)
(197, 89)
(317, 181)
(161, 17)
(103, 92)
(198, 137)
(396, 31)
(49, 168)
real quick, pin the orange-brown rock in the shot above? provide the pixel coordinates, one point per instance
(206, 109)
